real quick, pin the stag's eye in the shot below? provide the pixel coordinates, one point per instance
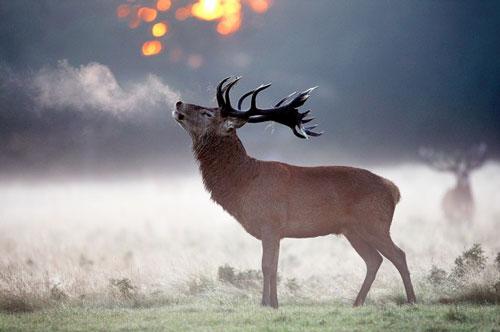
(207, 114)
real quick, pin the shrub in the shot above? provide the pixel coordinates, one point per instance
(478, 294)
(124, 287)
(240, 279)
(57, 294)
(437, 276)
(469, 280)
(18, 303)
(471, 261)
(249, 279)
(292, 285)
(497, 289)
(197, 285)
(226, 274)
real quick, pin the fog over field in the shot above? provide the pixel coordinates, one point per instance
(166, 235)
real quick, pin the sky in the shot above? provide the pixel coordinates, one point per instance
(77, 97)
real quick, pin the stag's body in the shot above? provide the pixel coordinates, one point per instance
(292, 201)
(458, 202)
(274, 200)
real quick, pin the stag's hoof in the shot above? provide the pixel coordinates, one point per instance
(270, 305)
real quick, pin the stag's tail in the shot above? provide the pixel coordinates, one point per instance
(396, 195)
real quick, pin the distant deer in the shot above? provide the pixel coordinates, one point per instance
(274, 200)
(458, 201)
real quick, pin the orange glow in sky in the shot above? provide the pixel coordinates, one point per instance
(159, 29)
(259, 6)
(163, 5)
(208, 10)
(123, 11)
(151, 47)
(227, 15)
(147, 14)
(182, 13)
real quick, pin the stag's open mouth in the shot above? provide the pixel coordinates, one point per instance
(178, 116)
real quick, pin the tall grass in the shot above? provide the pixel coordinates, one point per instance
(163, 242)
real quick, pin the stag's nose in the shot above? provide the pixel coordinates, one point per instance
(177, 113)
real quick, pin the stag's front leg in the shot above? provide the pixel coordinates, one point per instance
(270, 255)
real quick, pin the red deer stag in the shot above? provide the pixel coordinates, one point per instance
(273, 200)
(458, 201)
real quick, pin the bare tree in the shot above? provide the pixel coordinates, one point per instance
(458, 201)
(274, 200)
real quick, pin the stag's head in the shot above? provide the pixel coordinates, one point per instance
(225, 119)
(461, 163)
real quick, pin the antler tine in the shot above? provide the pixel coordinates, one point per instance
(311, 127)
(303, 132)
(303, 115)
(476, 156)
(285, 99)
(240, 101)
(255, 92)
(312, 133)
(307, 93)
(220, 97)
(253, 105)
(301, 98)
(299, 135)
(228, 89)
(308, 130)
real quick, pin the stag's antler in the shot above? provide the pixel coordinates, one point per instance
(284, 113)
(476, 156)
(460, 160)
(439, 160)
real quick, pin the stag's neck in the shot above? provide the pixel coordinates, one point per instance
(225, 167)
(463, 183)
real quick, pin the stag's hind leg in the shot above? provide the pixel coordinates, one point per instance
(372, 260)
(383, 243)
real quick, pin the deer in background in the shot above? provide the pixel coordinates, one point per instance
(458, 201)
(274, 200)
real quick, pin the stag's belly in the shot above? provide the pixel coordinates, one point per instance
(330, 219)
(290, 218)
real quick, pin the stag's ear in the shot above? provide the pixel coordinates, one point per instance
(232, 123)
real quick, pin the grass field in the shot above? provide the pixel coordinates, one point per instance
(251, 317)
(134, 256)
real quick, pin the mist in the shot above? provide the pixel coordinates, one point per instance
(102, 204)
(165, 233)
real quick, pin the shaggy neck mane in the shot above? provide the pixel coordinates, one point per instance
(225, 167)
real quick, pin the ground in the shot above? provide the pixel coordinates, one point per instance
(251, 317)
(125, 256)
